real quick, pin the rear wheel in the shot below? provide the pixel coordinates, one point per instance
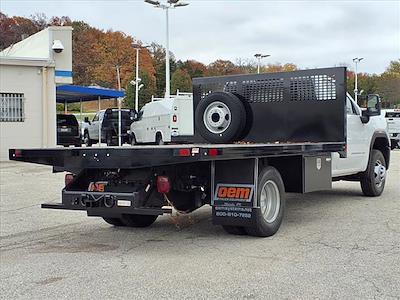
(138, 220)
(159, 140)
(133, 140)
(87, 140)
(271, 199)
(374, 178)
(114, 221)
(236, 230)
(109, 139)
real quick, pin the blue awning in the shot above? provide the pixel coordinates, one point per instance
(76, 93)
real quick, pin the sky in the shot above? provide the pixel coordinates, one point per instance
(315, 33)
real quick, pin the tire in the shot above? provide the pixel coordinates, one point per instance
(159, 140)
(236, 230)
(133, 140)
(271, 198)
(138, 220)
(86, 139)
(374, 178)
(114, 221)
(109, 140)
(220, 117)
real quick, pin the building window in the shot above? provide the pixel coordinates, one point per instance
(11, 107)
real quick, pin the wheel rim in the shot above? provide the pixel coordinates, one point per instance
(217, 117)
(270, 201)
(86, 140)
(379, 173)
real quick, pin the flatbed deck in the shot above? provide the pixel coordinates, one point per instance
(154, 155)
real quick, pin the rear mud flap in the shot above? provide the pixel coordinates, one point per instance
(234, 188)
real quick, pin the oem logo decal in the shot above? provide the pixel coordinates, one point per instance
(234, 192)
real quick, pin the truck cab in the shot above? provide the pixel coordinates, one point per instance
(366, 133)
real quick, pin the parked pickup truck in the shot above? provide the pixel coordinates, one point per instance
(290, 132)
(393, 125)
(107, 120)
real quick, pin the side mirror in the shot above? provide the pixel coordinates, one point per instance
(86, 120)
(373, 105)
(373, 108)
(134, 116)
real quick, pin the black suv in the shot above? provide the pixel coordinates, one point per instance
(68, 131)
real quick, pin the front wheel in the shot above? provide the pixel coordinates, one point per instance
(374, 178)
(138, 220)
(271, 199)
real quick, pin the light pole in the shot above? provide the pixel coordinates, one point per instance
(119, 107)
(166, 7)
(259, 56)
(356, 60)
(137, 80)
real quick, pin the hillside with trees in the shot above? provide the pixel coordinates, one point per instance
(98, 53)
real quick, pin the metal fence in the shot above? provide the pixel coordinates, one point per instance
(12, 107)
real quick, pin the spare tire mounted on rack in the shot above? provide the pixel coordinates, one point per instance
(220, 117)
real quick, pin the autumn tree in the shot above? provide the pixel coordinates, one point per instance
(277, 67)
(222, 67)
(193, 68)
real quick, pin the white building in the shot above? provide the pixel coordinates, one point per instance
(29, 73)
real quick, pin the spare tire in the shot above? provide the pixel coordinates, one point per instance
(220, 117)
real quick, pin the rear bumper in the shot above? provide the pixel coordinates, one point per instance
(68, 140)
(105, 204)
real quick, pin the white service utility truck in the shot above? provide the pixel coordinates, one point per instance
(164, 120)
(393, 126)
(256, 138)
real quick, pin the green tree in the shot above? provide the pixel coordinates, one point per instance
(158, 55)
(181, 81)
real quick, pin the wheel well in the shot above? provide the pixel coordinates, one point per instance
(382, 145)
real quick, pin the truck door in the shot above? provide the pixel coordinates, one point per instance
(93, 128)
(356, 147)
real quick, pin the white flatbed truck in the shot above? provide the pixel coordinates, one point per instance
(256, 138)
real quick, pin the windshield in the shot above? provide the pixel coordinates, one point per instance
(66, 120)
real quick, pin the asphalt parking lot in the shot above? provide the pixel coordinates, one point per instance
(332, 245)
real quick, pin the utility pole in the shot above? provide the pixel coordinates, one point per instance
(137, 80)
(356, 61)
(259, 56)
(119, 106)
(166, 7)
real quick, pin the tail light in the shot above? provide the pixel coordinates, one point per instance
(184, 152)
(17, 153)
(68, 178)
(213, 152)
(174, 118)
(163, 184)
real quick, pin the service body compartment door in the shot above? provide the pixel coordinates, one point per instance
(234, 190)
(317, 173)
